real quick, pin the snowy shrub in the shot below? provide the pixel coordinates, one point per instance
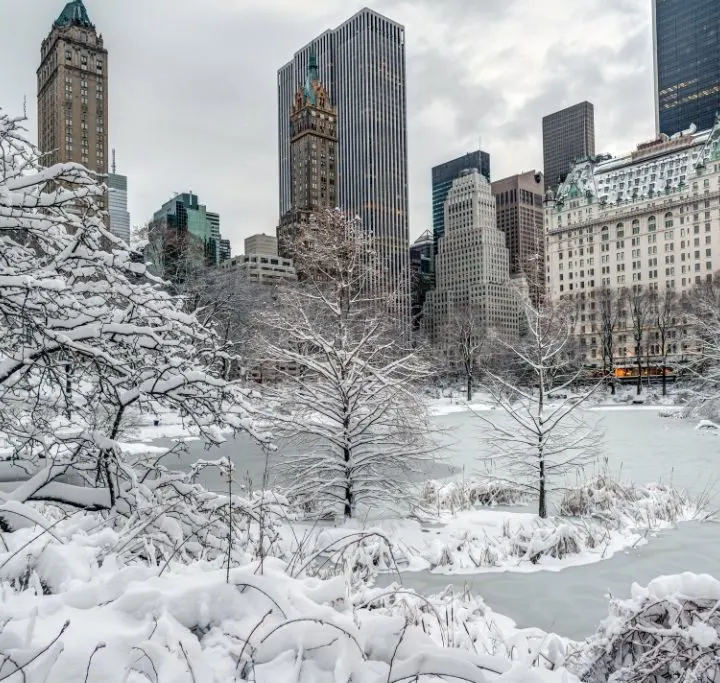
(605, 499)
(192, 624)
(558, 540)
(667, 631)
(452, 496)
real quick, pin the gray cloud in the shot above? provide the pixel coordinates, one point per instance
(193, 92)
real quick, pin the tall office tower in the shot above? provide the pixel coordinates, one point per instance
(73, 92)
(117, 201)
(686, 38)
(214, 220)
(472, 266)
(362, 65)
(313, 156)
(443, 176)
(568, 135)
(181, 238)
(521, 216)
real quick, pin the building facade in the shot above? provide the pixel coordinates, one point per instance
(686, 41)
(182, 238)
(72, 86)
(443, 176)
(472, 267)
(521, 217)
(313, 157)
(647, 221)
(421, 274)
(225, 250)
(118, 206)
(362, 66)
(260, 263)
(568, 135)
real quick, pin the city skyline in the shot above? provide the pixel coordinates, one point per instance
(446, 114)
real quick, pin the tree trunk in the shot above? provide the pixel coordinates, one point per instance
(348, 511)
(469, 387)
(638, 354)
(542, 504)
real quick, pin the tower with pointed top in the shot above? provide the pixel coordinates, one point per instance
(313, 154)
(73, 92)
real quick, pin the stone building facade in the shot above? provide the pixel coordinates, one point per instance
(472, 266)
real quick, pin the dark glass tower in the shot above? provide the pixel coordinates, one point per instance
(686, 36)
(443, 177)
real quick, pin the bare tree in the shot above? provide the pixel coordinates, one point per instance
(350, 387)
(608, 305)
(546, 438)
(665, 308)
(640, 310)
(466, 337)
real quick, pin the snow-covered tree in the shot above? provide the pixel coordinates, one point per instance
(87, 333)
(349, 384)
(466, 339)
(545, 437)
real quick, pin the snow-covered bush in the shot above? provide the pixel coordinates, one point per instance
(667, 631)
(466, 494)
(115, 623)
(606, 499)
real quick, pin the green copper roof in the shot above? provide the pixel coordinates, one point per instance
(74, 14)
(312, 77)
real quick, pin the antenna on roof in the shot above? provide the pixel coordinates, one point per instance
(114, 165)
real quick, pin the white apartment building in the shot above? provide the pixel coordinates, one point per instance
(649, 219)
(472, 266)
(261, 262)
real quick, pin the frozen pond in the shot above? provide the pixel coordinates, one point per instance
(639, 444)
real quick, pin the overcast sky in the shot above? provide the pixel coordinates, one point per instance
(193, 98)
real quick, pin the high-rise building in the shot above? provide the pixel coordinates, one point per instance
(73, 92)
(521, 216)
(313, 156)
(686, 37)
(181, 238)
(659, 232)
(568, 135)
(118, 206)
(214, 220)
(443, 176)
(472, 266)
(421, 275)
(261, 263)
(361, 64)
(225, 250)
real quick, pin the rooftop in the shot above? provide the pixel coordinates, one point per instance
(74, 14)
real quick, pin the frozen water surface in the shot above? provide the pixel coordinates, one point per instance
(639, 444)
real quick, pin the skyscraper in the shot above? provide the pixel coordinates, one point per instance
(73, 92)
(421, 276)
(568, 135)
(361, 64)
(521, 216)
(443, 176)
(686, 37)
(472, 267)
(117, 201)
(313, 157)
(181, 238)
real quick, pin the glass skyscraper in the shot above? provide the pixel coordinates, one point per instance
(361, 63)
(443, 177)
(686, 35)
(117, 201)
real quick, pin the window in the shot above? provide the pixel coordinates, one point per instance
(668, 219)
(636, 227)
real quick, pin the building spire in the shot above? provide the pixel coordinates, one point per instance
(74, 14)
(312, 77)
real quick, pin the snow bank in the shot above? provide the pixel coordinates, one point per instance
(194, 624)
(597, 520)
(668, 630)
